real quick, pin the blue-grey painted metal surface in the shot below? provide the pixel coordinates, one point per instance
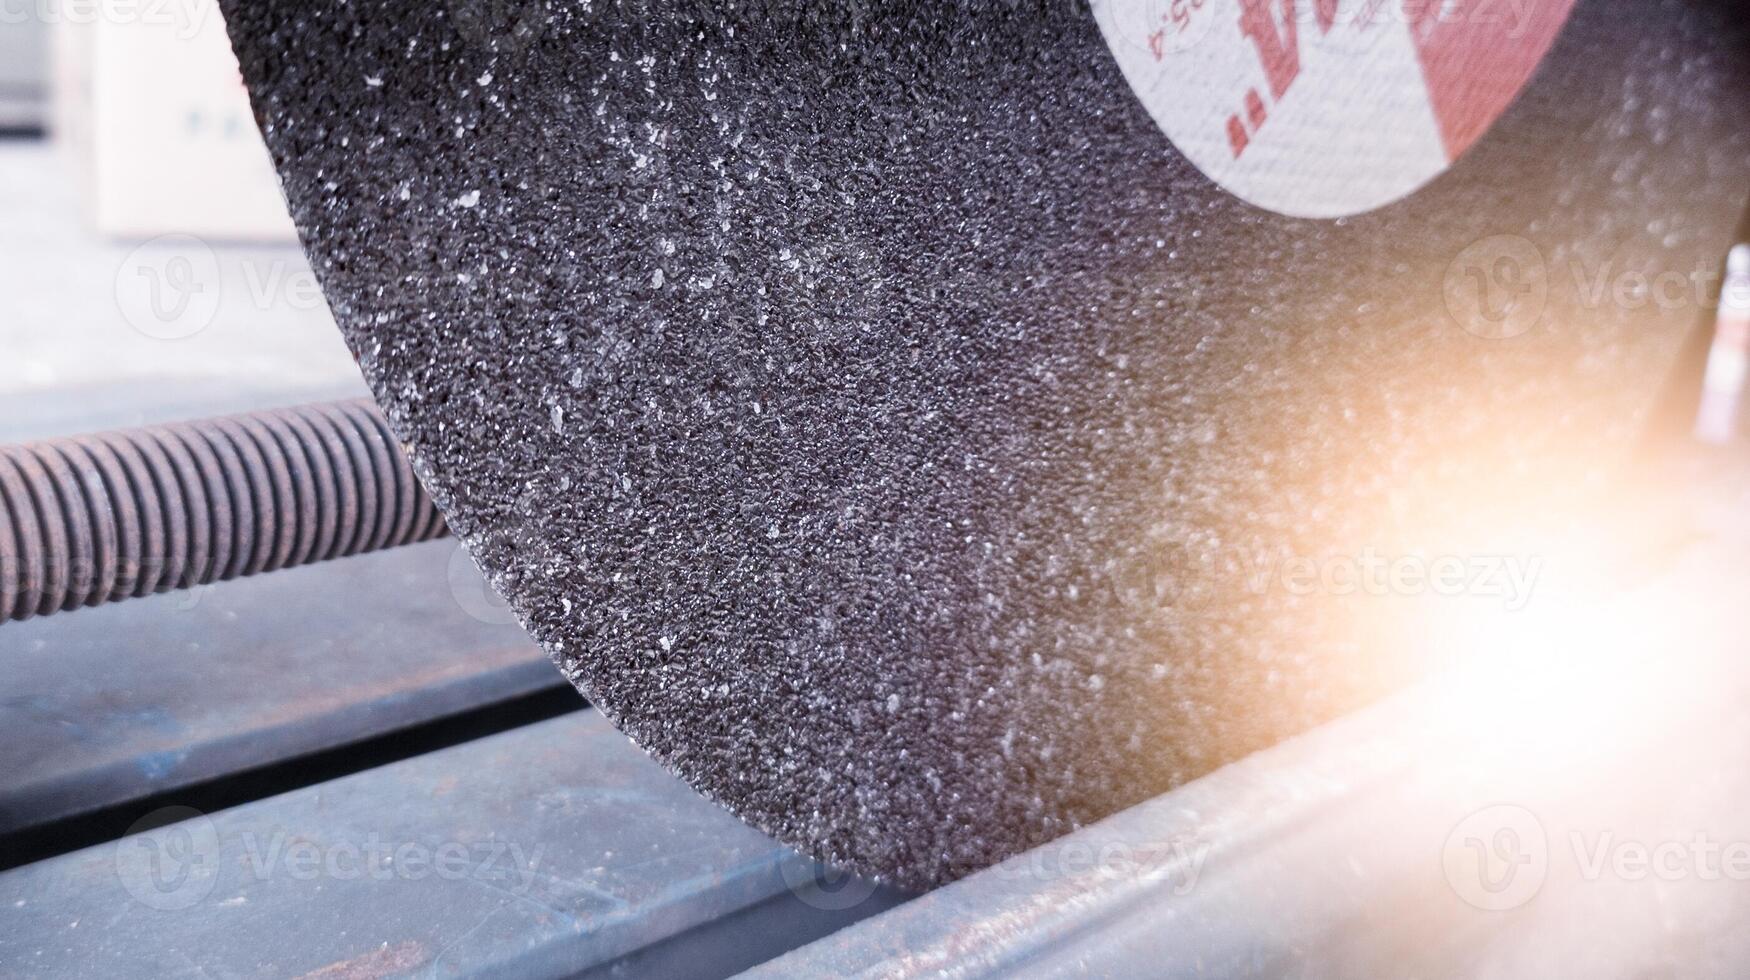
(117, 703)
(544, 851)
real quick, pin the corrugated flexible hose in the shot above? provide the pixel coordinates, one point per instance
(98, 518)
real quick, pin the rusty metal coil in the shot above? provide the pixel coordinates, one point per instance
(99, 518)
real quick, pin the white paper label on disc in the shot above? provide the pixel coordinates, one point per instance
(1326, 108)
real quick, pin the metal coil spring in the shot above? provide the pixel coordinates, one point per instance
(98, 518)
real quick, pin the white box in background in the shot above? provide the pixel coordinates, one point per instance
(151, 108)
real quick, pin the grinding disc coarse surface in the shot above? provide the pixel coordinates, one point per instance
(884, 421)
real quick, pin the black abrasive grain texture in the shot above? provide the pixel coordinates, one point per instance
(880, 420)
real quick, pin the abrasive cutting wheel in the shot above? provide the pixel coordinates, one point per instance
(914, 423)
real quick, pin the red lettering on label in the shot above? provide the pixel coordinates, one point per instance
(1236, 136)
(1278, 48)
(1254, 108)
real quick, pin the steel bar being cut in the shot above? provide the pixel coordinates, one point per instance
(915, 424)
(118, 515)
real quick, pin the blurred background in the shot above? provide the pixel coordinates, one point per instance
(150, 268)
